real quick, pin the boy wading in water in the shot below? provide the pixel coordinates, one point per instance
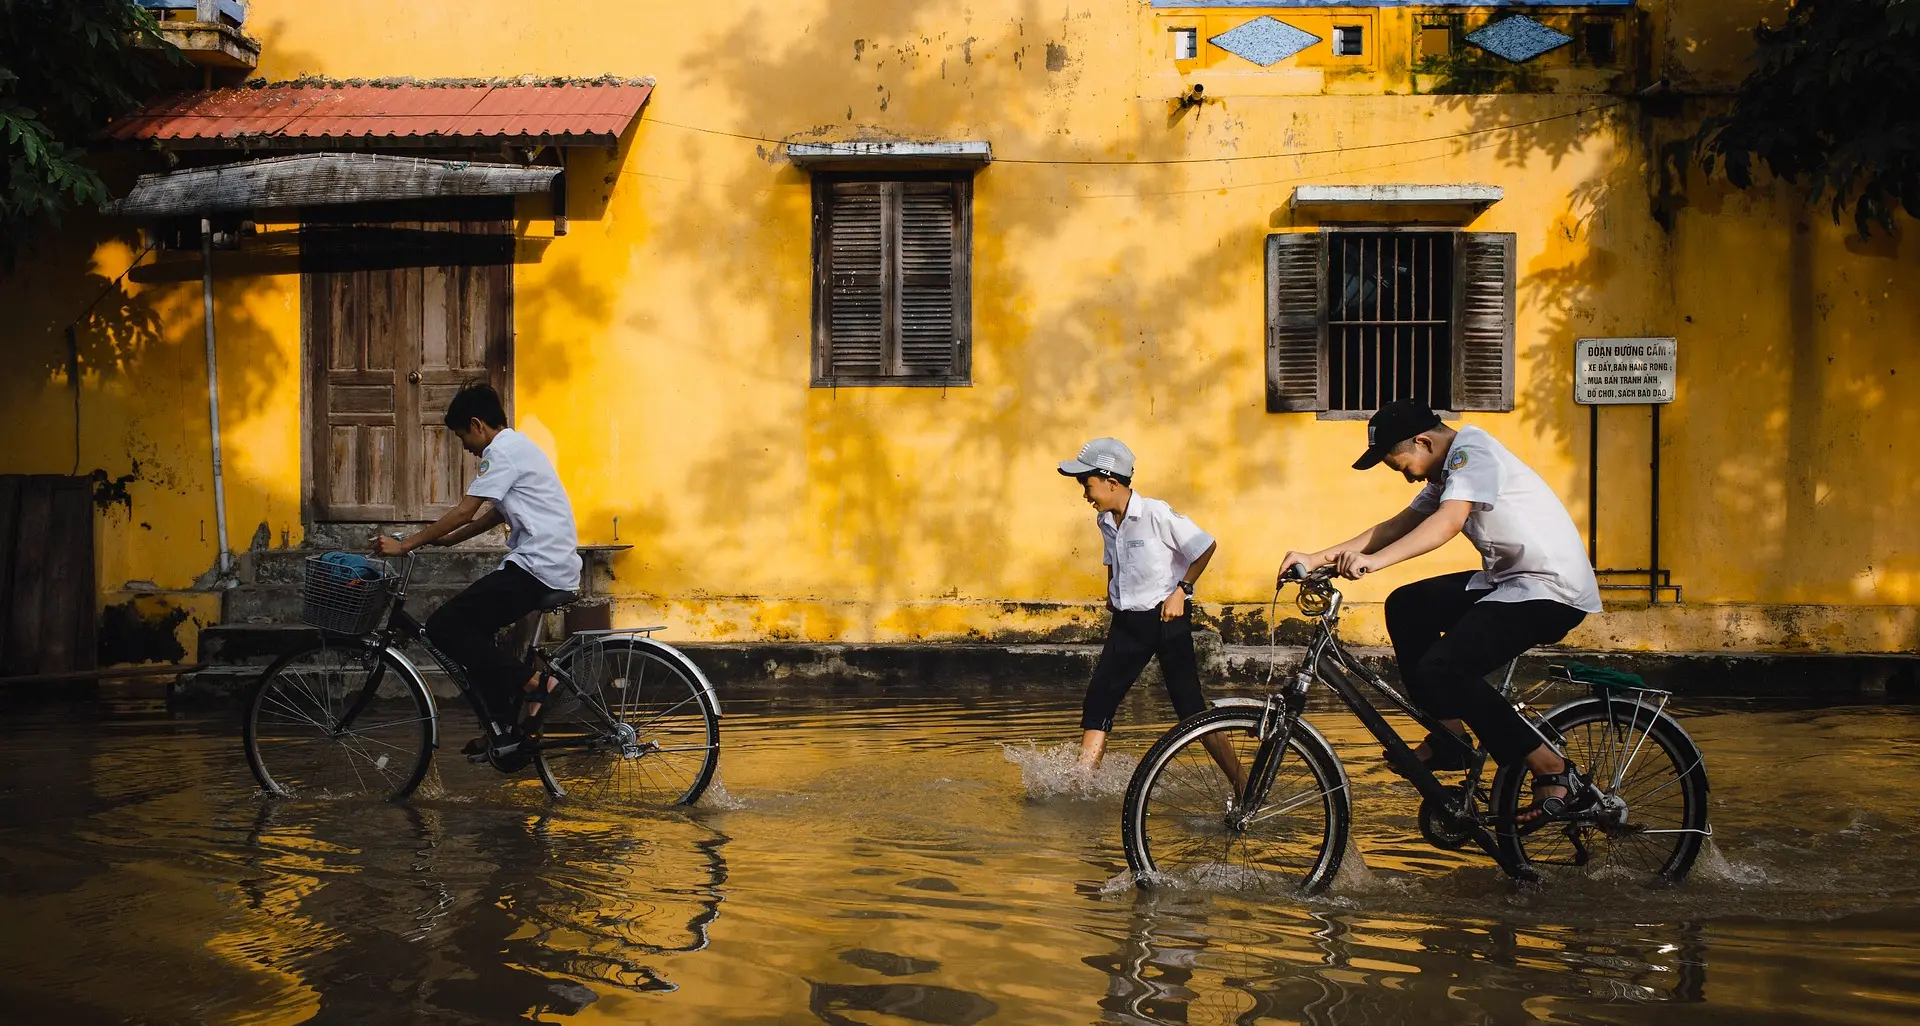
(1153, 557)
(542, 557)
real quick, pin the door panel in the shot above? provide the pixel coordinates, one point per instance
(393, 345)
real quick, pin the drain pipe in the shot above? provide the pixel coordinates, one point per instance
(213, 397)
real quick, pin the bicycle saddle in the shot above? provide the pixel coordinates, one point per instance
(554, 600)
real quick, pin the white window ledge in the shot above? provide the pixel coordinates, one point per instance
(890, 156)
(1337, 197)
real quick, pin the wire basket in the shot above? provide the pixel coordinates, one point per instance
(343, 599)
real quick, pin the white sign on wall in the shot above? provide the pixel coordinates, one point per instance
(1625, 371)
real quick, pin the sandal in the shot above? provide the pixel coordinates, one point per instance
(1553, 806)
(1446, 752)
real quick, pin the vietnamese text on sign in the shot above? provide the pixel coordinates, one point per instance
(1619, 371)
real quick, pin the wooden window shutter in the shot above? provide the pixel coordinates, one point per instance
(1296, 322)
(1483, 305)
(931, 318)
(893, 300)
(853, 280)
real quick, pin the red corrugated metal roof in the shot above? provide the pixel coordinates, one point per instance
(302, 115)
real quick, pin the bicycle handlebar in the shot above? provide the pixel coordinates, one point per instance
(1298, 574)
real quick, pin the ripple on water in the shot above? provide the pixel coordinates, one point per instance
(1054, 772)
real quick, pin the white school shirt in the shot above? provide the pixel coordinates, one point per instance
(520, 481)
(1528, 545)
(1149, 551)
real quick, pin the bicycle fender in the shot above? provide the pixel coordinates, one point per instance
(1699, 760)
(414, 679)
(679, 658)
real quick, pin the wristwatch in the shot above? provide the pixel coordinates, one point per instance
(1187, 586)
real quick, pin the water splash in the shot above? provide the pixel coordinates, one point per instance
(1055, 771)
(1354, 875)
(1712, 866)
(716, 796)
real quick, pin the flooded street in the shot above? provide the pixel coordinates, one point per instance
(892, 856)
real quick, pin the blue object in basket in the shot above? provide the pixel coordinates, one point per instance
(352, 568)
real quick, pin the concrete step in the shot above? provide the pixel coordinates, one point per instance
(225, 685)
(431, 566)
(281, 603)
(353, 537)
(255, 645)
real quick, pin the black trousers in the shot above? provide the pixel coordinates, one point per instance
(465, 627)
(1133, 638)
(1447, 641)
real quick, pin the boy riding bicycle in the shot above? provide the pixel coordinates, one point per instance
(1449, 632)
(517, 486)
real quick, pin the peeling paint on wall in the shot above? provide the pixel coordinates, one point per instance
(143, 629)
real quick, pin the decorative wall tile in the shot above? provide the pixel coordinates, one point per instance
(1264, 41)
(1518, 38)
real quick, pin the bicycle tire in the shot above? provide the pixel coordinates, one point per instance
(386, 752)
(1662, 780)
(651, 688)
(1174, 819)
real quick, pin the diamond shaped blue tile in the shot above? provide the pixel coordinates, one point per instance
(1518, 38)
(1264, 41)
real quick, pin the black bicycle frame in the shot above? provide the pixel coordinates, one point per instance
(1329, 662)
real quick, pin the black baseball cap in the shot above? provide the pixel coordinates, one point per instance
(1392, 424)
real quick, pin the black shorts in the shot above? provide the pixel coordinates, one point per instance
(1133, 637)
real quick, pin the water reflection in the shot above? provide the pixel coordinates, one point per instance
(473, 910)
(881, 860)
(1215, 961)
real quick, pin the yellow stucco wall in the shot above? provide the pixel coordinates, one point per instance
(663, 354)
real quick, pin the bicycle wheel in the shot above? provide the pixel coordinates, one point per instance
(1652, 819)
(1175, 821)
(633, 727)
(295, 750)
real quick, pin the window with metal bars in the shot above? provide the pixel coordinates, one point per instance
(1360, 317)
(1389, 319)
(892, 277)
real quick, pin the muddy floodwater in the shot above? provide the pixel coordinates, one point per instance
(913, 856)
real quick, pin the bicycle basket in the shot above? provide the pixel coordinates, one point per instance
(346, 593)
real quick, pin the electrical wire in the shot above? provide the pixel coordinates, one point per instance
(1165, 161)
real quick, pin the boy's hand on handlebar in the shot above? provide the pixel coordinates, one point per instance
(386, 545)
(1306, 561)
(1355, 565)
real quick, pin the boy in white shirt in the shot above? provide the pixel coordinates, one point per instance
(516, 486)
(1449, 632)
(1153, 557)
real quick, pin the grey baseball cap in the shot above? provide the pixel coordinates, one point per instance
(1105, 456)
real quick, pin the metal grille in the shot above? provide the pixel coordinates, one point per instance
(1389, 319)
(337, 599)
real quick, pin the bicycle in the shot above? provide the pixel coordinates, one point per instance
(1641, 809)
(631, 720)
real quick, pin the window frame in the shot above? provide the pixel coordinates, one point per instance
(960, 373)
(1338, 41)
(1297, 310)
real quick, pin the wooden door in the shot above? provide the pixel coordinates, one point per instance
(46, 574)
(389, 347)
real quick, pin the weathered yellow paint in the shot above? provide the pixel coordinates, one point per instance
(662, 344)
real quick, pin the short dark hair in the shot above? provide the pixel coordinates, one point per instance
(1126, 481)
(476, 402)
